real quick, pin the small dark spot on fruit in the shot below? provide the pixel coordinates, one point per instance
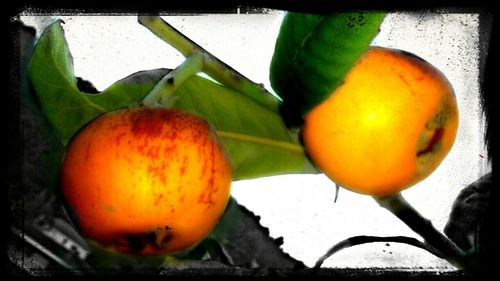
(119, 137)
(158, 172)
(135, 242)
(157, 201)
(150, 238)
(403, 79)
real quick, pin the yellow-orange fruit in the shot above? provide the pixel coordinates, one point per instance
(387, 127)
(146, 181)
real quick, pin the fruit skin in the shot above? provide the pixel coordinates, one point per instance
(387, 127)
(146, 181)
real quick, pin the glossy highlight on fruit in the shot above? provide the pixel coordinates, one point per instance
(146, 181)
(387, 127)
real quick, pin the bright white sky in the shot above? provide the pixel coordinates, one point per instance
(300, 208)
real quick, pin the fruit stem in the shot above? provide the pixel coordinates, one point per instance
(397, 205)
(163, 90)
(212, 66)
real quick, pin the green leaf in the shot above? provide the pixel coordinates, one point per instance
(312, 55)
(66, 107)
(256, 139)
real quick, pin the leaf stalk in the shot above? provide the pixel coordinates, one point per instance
(164, 89)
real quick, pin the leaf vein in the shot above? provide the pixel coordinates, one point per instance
(263, 141)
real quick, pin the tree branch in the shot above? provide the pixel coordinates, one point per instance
(397, 205)
(212, 66)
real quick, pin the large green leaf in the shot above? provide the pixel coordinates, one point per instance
(312, 55)
(257, 140)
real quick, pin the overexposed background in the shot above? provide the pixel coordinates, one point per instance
(301, 208)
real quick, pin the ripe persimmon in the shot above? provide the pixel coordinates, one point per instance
(387, 127)
(146, 181)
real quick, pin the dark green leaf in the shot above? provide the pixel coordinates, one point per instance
(312, 55)
(248, 243)
(41, 149)
(469, 212)
(239, 240)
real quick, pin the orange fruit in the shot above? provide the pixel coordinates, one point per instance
(387, 127)
(146, 181)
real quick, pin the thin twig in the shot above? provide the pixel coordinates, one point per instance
(358, 240)
(212, 66)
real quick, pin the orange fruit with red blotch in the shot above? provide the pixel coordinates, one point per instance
(146, 181)
(387, 127)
